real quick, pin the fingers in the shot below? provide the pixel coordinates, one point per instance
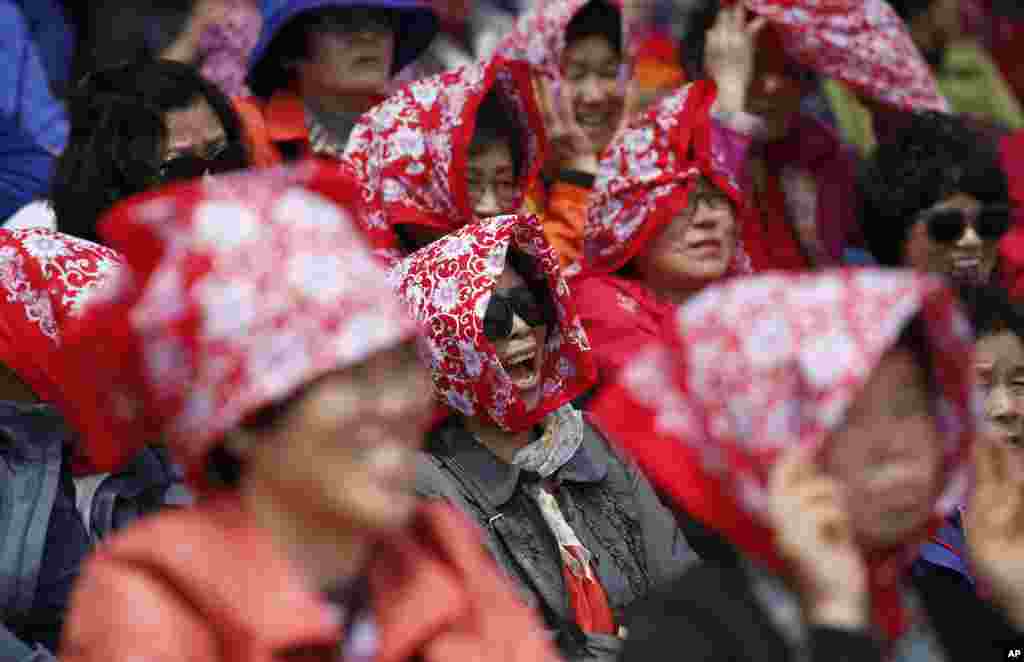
(755, 26)
(797, 465)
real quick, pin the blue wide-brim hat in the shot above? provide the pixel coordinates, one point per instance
(418, 23)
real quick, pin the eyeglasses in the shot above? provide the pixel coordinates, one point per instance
(946, 226)
(351, 21)
(223, 158)
(504, 306)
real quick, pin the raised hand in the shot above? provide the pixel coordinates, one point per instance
(729, 55)
(569, 147)
(808, 512)
(994, 525)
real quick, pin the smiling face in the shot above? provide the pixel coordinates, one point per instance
(970, 259)
(491, 181)
(522, 352)
(591, 69)
(887, 454)
(343, 453)
(999, 363)
(696, 248)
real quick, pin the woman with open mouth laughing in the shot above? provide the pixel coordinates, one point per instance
(564, 514)
(662, 225)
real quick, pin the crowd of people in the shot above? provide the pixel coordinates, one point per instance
(523, 331)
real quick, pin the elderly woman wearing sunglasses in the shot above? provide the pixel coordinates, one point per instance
(935, 198)
(564, 514)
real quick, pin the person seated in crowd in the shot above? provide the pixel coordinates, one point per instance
(320, 64)
(663, 224)
(47, 277)
(574, 523)
(935, 198)
(801, 179)
(135, 127)
(26, 168)
(268, 350)
(822, 423)
(577, 51)
(999, 366)
(446, 151)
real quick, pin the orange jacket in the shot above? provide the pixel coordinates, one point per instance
(280, 119)
(207, 584)
(562, 209)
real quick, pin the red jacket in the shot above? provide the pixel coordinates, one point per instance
(207, 584)
(1011, 248)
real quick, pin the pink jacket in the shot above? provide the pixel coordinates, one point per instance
(207, 584)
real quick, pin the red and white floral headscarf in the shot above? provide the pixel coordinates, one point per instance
(411, 151)
(863, 43)
(238, 291)
(539, 35)
(448, 286)
(646, 177)
(760, 364)
(45, 280)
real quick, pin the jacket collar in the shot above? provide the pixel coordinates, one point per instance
(285, 117)
(499, 480)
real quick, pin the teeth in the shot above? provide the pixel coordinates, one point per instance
(523, 359)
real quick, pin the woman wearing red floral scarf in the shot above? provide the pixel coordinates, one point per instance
(662, 225)
(822, 425)
(255, 333)
(447, 150)
(578, 527)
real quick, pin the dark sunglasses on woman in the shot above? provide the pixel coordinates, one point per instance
(946, 226)
(499, 320)
(223, 158)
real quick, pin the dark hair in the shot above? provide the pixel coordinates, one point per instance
(597, 18)
(116, 32)
(494, 124)
(911, 9)
(990, 310)
(699, 20)
(930, 159)
(118, 133)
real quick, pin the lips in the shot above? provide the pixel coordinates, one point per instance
(706, 247)
(967, 268)
(522, 369)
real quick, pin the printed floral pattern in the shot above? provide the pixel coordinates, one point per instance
(261, 283)
(646, 176)
(45, 279)
(410, 152)
(757, 365)
(448, 285)
(861, 42)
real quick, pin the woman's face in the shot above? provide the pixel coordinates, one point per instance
(778, 87)
(696, 248)
(350, 51)
(522, 352)
(887, 455)
(344, 453)
(591, 69)
(999, 364)
(969, 259)
(491, 181)
(198, 145)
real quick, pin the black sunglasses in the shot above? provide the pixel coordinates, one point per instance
(503, 307)
(229, 156)
(946, 226)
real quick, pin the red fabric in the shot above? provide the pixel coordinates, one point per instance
(447, 287)
(1011, 247)
(863, 43)
(620, 316)
(238, 291)
(646, 177)
(46, 278)
(757, 365)
(410, 152)
(207, 584)
(771, 230)
(588, 600)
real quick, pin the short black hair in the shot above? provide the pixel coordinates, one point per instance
(930, 158)
(495, 123)
(991, 310)
(118, 133)
(699, 20)
(597, 18)
(911, 9)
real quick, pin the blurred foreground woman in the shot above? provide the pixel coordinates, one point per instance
(253, 331)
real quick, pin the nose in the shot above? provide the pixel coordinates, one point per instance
(486, 206)
(999, 405)
(970, 238)
(520, 328)
(590, 90)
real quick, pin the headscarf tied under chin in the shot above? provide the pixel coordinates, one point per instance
(863, 43)
(448, 286)
(411, 152)
(758, 365)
